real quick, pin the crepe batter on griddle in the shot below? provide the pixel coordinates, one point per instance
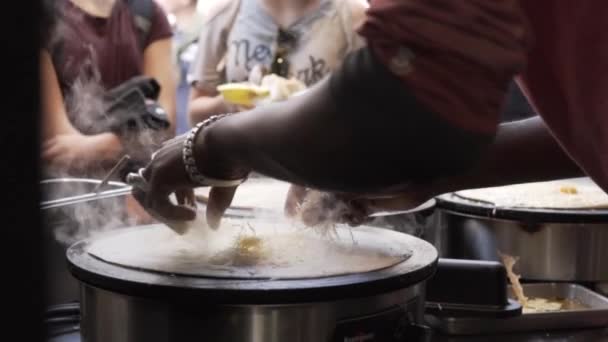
(576, 193)
(256, 249)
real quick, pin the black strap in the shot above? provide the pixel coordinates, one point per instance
(143, 11)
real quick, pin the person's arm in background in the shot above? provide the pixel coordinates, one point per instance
(204, 104)
(55, 120)
(206, 74)
(63, 144)
(158, 64)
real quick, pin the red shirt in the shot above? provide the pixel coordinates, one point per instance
(107, 48)
(455, 46)
(567, 78)
(443, 49)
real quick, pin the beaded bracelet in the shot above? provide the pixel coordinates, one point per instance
(190, 162)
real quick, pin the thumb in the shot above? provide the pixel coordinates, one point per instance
(219, 200)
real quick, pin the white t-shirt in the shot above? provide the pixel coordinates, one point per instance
(239, 34)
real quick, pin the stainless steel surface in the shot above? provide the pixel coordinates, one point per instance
(109, 316)
(595, 315)
(121, 189)
(546, 251)
(577, 335)
(85, 198)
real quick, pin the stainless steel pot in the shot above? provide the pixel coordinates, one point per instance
(61, 222)
(121, 304)
(552, 245)
(110, 316)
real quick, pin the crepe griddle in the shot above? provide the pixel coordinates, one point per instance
(288, 252)
(456, 202)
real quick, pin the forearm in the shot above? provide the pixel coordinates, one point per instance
(54, 117)
(53, 126)
(347, 135)
(110, 146)
(523, 151)
(158, 64)
(201, 108)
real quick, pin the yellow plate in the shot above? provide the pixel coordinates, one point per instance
(243, 94)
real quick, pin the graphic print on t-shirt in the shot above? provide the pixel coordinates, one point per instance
(319, 45)
(246, 55)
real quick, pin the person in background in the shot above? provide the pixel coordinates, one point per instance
(309, 37)
(96, 46)
(187, 23)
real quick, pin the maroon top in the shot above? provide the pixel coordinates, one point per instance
(567, 78)
(442, 49)
(107, 47)
(460, 55)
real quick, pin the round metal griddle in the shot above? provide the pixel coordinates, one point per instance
(551, 244)
(279, 252)
(455, 203)
(144, 283)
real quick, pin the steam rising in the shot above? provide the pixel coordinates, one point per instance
(86, 109)
(323, 211)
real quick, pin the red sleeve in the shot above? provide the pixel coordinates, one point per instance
(457, 57)
(160, 27)
(567, 78)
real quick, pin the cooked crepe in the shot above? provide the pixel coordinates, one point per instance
(576, 193)
(260, 249)
(534, 304)
(518, 290)
(281, 88)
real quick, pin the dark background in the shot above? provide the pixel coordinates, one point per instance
(516, 105)
(22, 278)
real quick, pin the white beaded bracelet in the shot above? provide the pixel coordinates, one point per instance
(190, 162)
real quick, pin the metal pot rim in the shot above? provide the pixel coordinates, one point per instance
(66, 180)
(454, 204)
